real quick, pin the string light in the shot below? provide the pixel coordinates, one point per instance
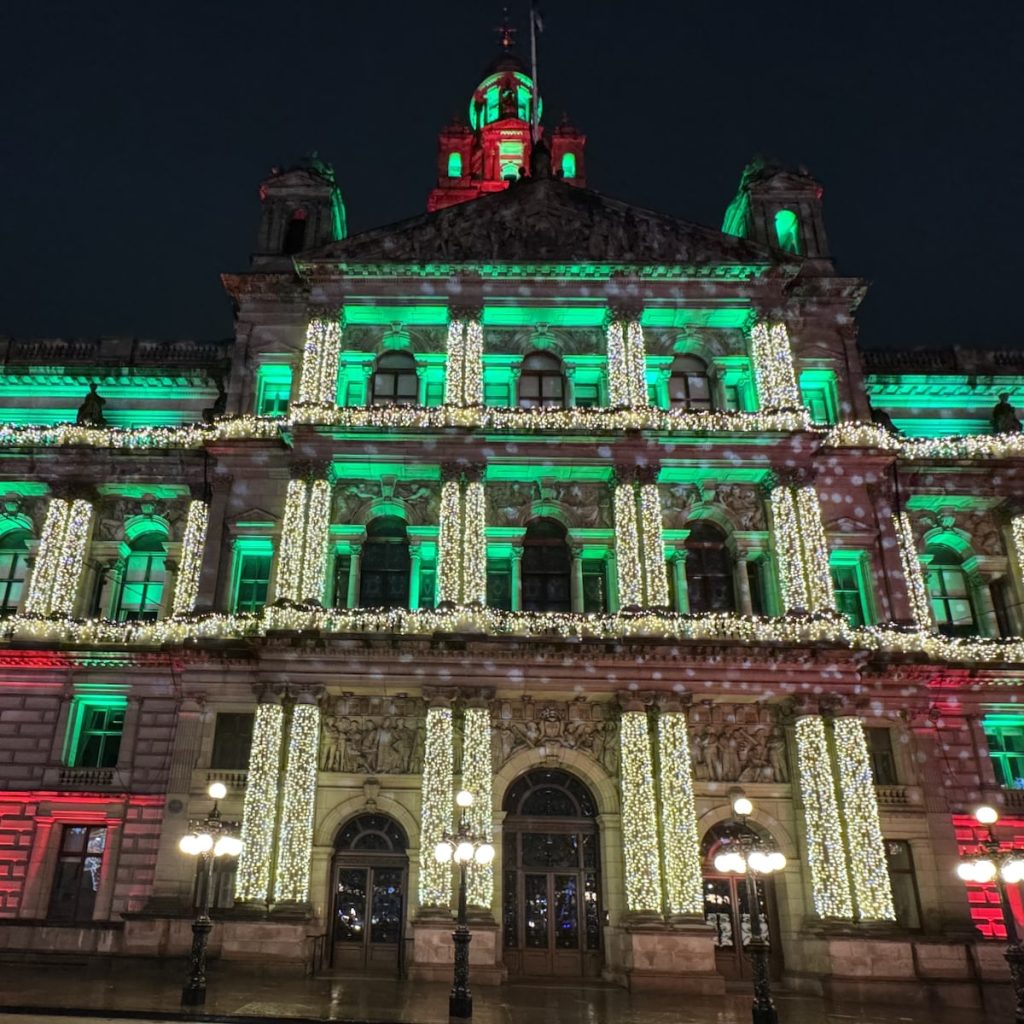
(454, 388)
(636, 360)
(681, 843)
(473, 381)
(652, 547)
(773, 367)
(51, 542)
(869, 871)
(293, 537)
(314, 557)
(72, 558)
(1017, 526)
(449, 543)
(186, 588)
(317, 385)
(295, 841)
(618, 367)
(826, 856)
(330, 352)
(436, 816)
(627, 547)
(642, 868)
(786, 532)
(474, 545)
(814, 551)
(917, 592)
(476, 778)
(259, 811)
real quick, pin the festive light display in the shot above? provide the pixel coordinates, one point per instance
(636, 359)
(72, 558)
(476, 778)
(917, 591)
(186, 588)
(318, 380)
(449, 543)
(627, 544)
(330, 351)
(773, 367)
(680, 842)
(455, 364)
(473, 377)
(474, 545)
(436, 815)
(826, 854)
(293, 542)
(1017, 526)
(786, 532)
(302, 562)
(814, 551)
(639, 829)
(618, 365)
(314, 555)
(652, 547)
(51, 543)
(462, 543)
(295, 839)
(869, 872)
(259, 811)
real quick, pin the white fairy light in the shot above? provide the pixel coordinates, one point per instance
(186, 587)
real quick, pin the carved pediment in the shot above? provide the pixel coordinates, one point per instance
(253, 515)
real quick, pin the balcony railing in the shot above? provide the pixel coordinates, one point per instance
(234, 780)
(82, 778)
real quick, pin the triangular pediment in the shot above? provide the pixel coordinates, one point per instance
(544, 220)
(253, 515)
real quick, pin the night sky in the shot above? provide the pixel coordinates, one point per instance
(134, 135)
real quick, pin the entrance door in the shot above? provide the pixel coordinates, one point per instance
(369, 881)
(551, 916)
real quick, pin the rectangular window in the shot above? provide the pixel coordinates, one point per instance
(586, 396)
(94, 732)
(850, 584)
(1006, 747)
(883, 763)
(818, 391)
(222, 890)
(76, 879)
(253, 557)
(273, 390)
(595, 586)
(756, 583)
(428, 585)
(232, 740)
(499, 584)
(905, 900)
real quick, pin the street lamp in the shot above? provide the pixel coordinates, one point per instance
(747, 855)
(464, 848)
(208, 838)
(1002, 868)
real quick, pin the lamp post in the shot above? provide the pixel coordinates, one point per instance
(749, 856)
(207, 838)
(464, 848)
(1003, 868)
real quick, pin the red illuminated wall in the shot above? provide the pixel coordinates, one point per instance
(986, 911)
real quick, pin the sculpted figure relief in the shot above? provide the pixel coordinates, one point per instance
(375, 736)
(737, 743)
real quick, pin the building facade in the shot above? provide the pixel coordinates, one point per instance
(596, 513)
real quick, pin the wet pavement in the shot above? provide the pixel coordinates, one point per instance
(137, 990)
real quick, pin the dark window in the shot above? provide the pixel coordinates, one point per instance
(395, 381)
(231, 741)
(756, 581)
(77, 877)
(13, 569)
(428, 586)
(384, 569)
(1006, 747)
(342, 570)
(900, 859)
(849, 600)
(883, 763)
(689, 386)
(549, 793)
(372, 832)
(1001, 603)
(709, 570)
(222, 884)
(595, 586)
(98, 741)
(546, 568)
(541, 382)
(295, 233)
(499, 585)
(950, 593)
(142, 580)
(253, 582)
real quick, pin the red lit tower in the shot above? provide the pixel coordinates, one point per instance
(493, 149)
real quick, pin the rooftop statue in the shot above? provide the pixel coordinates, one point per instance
(90, 412)
(1004, 416)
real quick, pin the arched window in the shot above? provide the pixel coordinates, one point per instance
(787, 231)
(13, 569)
(142, 582)
(295, 233)
(950, 592)
(454, 165)
(568, 165)
(384, 568)
(689, 386)
(374, 832)
(709, 581)
(541, 382)
(394, 380)
(547, 566)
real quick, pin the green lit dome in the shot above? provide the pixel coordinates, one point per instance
(505, 92)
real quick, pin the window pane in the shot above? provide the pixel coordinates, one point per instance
(552, 387)
(954, 583)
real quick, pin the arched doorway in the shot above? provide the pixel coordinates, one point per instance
(369, 879)
(551, 883)
(727, 909)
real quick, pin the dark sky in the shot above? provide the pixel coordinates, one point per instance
(133, 136)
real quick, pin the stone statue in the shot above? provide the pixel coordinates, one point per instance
(369, 736)
(737, 743)
(1004, 417)
(882, 419)
(578, 726)
(90, 412)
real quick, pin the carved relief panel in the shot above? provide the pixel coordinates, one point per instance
(353, 499)
(373, 735)
(737, 743)
(585, 505)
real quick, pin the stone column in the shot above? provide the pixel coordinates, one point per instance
(108, 870)
(576, 579)
(515, 577)
(679, 575)
(215, 549)
(742, 578)
(170, 583)
(415, 560)
(570, 385)
(35, 878)
(613, 582)
(355, 551)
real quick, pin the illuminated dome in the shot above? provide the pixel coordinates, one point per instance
(504, 93)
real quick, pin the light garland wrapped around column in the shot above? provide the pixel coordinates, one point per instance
(449, 544)
(72, 558)
(474, 545)
(869, 871)
(330, 351)
(186, 588)
(652, 547)
(774, 371)
(917, 591)
(786, 534)
(642, 865)
(293, 537)
(259, 814)
(814, 551)
(476, 778)
(314, 555)
(826, 853)
(1017, 526)
(684, 891)
(295, 839)
(317, 331)
(51, 544)
(636, 359)
(454, 388)
(627, 547)
(473, 375)
(437, 807)
(618, 366)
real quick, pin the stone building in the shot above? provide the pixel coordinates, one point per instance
(597, 513)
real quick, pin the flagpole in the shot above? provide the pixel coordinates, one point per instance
(533, 60)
